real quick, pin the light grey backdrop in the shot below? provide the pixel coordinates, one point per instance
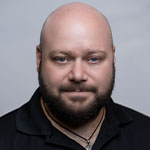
(20, 25)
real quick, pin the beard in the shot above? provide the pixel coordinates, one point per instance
(66, 114)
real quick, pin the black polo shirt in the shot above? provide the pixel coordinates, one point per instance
(27, 128)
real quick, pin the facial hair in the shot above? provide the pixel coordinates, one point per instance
(64, 113)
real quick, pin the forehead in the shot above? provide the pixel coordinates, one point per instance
(76, 34)
(75, 31)
(76, 39)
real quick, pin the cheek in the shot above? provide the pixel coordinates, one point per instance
(53, 76)
(102, 76)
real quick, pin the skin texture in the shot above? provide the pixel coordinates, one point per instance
(76, 47)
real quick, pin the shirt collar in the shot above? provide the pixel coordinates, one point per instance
(115, 119)
(31, 119)
(117, 114)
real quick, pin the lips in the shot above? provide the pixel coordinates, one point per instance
(77, 93)
(79, 88)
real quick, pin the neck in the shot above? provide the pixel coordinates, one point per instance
(84, 130)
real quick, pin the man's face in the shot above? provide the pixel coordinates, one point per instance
(76, 72)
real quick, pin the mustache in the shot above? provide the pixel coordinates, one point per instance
(78, 87)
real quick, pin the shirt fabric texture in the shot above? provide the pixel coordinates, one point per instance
(27, 128)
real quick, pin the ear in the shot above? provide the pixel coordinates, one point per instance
(38, 57)
(114, 57)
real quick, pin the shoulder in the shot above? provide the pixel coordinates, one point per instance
(139, 126)
(135, 127)
(7, 122)
(7, 129)
(136, 116)
(8, 118)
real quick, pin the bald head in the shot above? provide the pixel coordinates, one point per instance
(74, 18)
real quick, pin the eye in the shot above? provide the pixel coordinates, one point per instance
(94, 59)
(61, 59)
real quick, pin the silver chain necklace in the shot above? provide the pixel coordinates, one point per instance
(88, 145)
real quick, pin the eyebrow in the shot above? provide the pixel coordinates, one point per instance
(69, 53)
(57, 51)
(90, 52)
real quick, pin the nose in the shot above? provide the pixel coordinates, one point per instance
(77, 73)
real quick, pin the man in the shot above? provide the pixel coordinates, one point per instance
(72, 108)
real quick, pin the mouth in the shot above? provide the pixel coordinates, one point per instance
(78, 89)
(77, 93)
